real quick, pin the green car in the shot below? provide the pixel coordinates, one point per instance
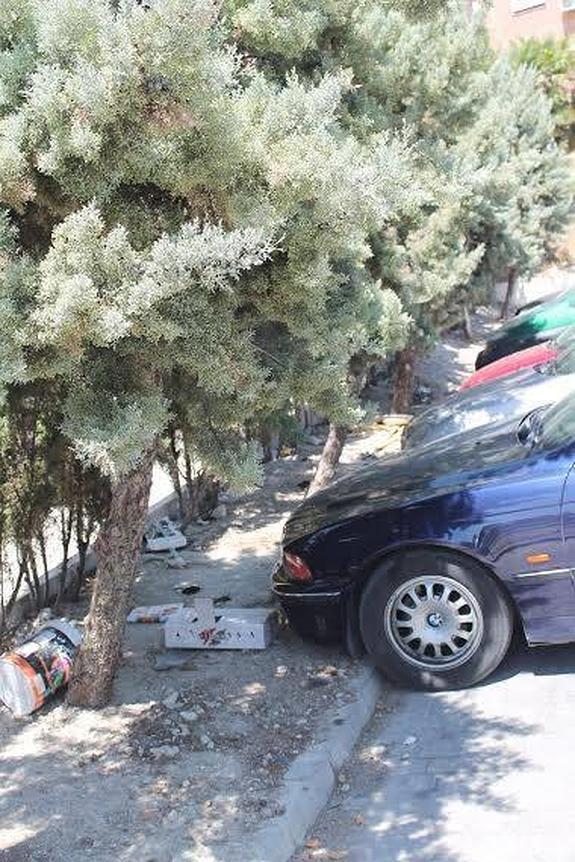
(535, 326)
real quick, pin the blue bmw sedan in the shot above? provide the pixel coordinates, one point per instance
(429, 559)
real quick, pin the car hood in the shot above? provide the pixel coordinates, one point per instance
(447, 466)
(487, 406)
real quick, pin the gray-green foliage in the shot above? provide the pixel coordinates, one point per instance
(179, 234)
(207, 216)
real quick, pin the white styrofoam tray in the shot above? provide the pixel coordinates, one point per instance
(205, 627)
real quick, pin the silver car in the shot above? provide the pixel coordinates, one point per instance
(491, 405)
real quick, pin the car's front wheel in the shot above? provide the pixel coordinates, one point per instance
(432, 619)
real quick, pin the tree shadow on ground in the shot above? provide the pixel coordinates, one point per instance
(459, 757)
(433, 768)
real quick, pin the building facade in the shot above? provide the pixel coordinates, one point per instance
(512, 20)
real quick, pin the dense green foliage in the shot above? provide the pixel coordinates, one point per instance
(143, 172)
(554, 60)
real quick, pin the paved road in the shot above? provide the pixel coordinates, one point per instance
(486, 775)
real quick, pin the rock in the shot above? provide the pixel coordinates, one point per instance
(44, 616)
(174, 660)
(206, 741)
(176, 561)
(316, 682)
(409, 741)
(189, 715)
(220, 511)
(160, 751)
(313, 440)
(171, 700)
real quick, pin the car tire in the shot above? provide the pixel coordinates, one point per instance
(469, 627)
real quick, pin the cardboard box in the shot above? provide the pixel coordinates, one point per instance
(203, 627)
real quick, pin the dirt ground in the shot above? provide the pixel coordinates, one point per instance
(199, 747)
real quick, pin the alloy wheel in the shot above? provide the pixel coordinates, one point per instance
(434, 622)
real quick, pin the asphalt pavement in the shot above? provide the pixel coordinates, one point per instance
(483, 775)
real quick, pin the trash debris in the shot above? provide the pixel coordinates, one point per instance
(188, 589)
(154, 613)
(222, 600)
(38, 667)
(198, 627)
(163, 535)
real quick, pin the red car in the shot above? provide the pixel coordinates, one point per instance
(528, 358)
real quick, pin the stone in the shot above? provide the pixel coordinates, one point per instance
(220, 511)
(174, 660)
(176, 561)
(171, 700)
(160, 751)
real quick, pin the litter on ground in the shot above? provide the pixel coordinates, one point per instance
(199, 627)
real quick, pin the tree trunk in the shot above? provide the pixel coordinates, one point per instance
(66, 524)
(117, 550)
(509, 293)
(467, 325)
(174, 471)
(403, 380)
(329, 458)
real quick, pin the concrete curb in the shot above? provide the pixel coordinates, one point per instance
(311, 778)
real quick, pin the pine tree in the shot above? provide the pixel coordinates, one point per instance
(427, 83)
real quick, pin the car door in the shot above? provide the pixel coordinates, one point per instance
(543, 582)
(545, 590)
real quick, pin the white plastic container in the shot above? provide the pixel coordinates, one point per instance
(37, 668)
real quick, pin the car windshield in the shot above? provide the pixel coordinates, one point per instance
(555, 426)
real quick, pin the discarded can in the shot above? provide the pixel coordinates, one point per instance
(38, 667)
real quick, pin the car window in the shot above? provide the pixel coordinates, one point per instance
(557, 425)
